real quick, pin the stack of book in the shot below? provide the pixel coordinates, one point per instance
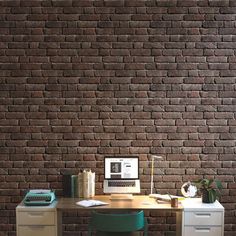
(83, 184)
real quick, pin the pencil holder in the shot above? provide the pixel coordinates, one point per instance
(174, 202)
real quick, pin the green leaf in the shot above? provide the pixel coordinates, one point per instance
(206, 183)
(218, 184)
(212, 195)
(210, 182)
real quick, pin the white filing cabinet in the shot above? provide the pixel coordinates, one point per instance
(201, 219)
(36, 220)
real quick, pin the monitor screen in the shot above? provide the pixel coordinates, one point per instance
(121, 167)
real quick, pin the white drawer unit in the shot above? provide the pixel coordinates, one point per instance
(201, 219)
(202, 230)
(36, 230)
(36, 217)
(36, 220)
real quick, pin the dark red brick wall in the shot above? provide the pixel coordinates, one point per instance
(83, 79)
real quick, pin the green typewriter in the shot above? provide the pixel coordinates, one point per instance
(39, 197)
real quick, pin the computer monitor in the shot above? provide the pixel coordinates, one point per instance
(121, 174)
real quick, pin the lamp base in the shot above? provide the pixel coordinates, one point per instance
(152, 195)
(120, 196)
(161, 197)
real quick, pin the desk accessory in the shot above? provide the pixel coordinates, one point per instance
(80, 185)
(173, 201)
(165, 197)
(161, 197)
(91, 203)
(39, 197)
(152, 170)
(188, 189)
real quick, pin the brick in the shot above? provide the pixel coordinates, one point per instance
(88, 79)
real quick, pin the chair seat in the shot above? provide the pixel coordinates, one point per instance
(119, 234)
(117, 224)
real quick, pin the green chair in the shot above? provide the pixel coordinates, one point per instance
(110, 224)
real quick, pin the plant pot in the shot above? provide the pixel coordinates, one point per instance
(208, 197)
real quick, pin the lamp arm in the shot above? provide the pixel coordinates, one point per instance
(152, 169)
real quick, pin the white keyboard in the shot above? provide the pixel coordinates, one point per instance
(121, 186)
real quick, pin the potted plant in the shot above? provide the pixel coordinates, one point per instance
(210, 189)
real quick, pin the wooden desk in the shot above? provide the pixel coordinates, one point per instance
(138, 203)
(192, 216)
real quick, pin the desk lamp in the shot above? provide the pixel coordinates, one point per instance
(152, 170)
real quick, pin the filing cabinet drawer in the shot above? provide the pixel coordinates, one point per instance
(203, 218)
(36, 230)
(203, 230)
(36, 218)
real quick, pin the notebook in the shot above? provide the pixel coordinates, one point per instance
(91, 203)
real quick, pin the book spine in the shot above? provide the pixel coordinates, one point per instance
(66, 184)
(86, 184)
(91, 184)
(74, 184)
(80, 185)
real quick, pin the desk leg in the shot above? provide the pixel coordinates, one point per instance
(179, 223)
(59, 223)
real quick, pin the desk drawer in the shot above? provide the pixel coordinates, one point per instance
(36, 218)
(203, 230)
(36, 230)
(203, 218)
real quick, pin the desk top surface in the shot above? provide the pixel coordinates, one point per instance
(137, 203)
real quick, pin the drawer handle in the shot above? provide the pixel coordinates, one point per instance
(201, 229)
(203, 214)
(36, 226)
(36, 213)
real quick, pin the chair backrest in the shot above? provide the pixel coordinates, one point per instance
(127, 222)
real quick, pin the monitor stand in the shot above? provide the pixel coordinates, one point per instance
(121, 196)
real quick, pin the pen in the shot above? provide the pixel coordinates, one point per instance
(169, 196)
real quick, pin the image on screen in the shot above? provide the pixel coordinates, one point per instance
(121, 167)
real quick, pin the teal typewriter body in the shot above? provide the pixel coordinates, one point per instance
(39, 197)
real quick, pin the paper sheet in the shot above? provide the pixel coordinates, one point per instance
(91, 203)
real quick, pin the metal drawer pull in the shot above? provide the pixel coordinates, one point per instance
(203, 214)
(200, 229)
